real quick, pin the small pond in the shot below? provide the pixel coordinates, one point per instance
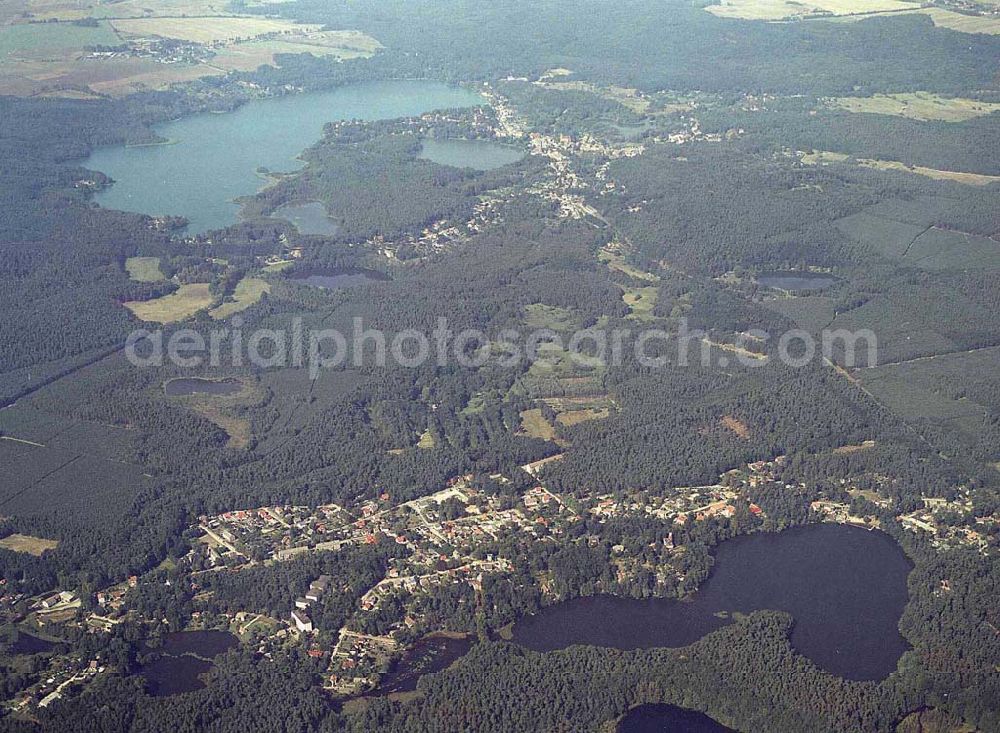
(668, 719)
(310, 218)
(481, 155)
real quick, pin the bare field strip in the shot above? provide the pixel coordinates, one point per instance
(184, 303)
(824, 157)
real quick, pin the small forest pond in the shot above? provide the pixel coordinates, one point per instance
(844, 586)
(30, 644)
(337, 277)
(668, 719)
(481, 155)
(430, 654)
(183, 659)
(182, 387)
(213, 159)
(796, 281)
(308, 218)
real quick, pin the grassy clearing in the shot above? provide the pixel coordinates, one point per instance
(534, 424)
(922, 106)
(27, 544)
(823, 157)
(248, 292)
(144, 269)
(575, 417)
(179, 305)
(426, 441)
(237, 428)
(616, 261)
(539, 315)
(963, 23)
(640, 302)
(736, 426)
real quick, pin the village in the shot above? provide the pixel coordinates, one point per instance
(447, 539)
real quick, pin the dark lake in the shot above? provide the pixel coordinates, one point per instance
(796, 281)
(430, 654)
(310, 218)
(182, 659)
(482, 155)
(668, 719)
(337, 278)
(181, 387)
(844, 586)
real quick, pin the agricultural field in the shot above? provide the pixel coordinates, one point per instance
(144, 269)
(179, 305)
(250, 55)
(38, 40)
(787, 9)
(77, 9)
(942, 18)
(27, 544)
(248, 292)
(209, 30)
(50, 59)
(922, 106)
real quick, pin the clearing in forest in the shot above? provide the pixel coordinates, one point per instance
(144, 269)
(248, 292)
(922, 106)
(183, 303)
(27, 544)
(823, 157)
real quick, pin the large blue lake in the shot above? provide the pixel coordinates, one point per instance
(212, 159)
